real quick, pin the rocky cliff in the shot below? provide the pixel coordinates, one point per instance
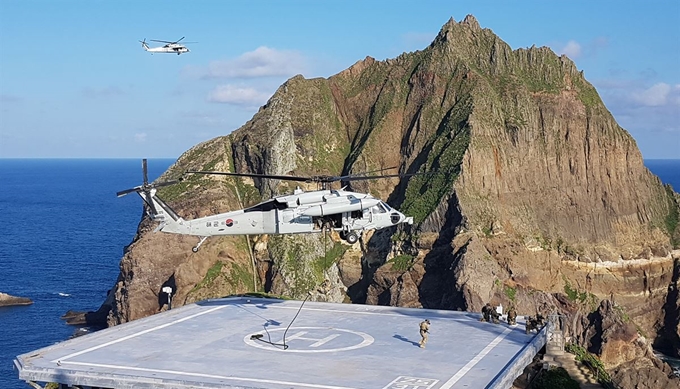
(540, 199)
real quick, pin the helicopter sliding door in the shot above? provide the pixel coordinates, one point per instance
(290, 223)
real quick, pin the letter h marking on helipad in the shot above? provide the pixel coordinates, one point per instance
(317, 343)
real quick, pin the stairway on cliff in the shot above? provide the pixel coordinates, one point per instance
(577, 371)
(556, 356)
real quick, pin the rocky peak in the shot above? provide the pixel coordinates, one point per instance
(358, 67)
(452, 31)
(471, 22)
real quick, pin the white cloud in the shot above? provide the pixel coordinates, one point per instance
(140, 137)
(231, 94)
(675, 100)
(572, 49)
(641, 108)
(262, 62)
(655, 96)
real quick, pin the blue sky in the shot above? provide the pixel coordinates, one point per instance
(75, 82)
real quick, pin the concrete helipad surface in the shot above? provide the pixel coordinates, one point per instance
(332, 346)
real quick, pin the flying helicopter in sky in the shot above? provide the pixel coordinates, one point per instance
(168, 47)
(349, 213)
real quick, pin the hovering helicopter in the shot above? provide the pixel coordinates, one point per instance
(169, 47)
(349, 213)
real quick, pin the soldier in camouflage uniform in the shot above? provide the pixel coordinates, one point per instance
(424, 330)
(495, 316)
(534, 323)
(486, 313)
(512, 316)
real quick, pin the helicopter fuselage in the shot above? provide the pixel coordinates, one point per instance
(302, 212)
(349, 213)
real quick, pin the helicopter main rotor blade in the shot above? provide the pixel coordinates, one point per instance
(359, 178)
(253, 175)
(322, 179)
(377, 170)
(363, 174)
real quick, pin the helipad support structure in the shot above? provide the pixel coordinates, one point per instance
(245, 342)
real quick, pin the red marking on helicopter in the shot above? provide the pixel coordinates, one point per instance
(229, 222)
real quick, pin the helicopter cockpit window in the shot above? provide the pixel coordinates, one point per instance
(377, 209)
(266, 206)
(387, 207)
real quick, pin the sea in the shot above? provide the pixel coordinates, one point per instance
(61, 241)
(63, 235)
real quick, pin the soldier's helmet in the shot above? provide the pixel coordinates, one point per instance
(427, 321)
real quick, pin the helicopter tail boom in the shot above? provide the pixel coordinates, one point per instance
(160, 211)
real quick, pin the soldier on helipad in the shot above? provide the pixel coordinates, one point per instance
(489, 314)
(486, 313)
(512, 316)
(424, 330)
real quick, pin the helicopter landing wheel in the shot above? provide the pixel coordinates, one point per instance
(351, 237)
(200, 242)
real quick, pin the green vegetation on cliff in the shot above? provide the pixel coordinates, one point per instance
(444, 152)
(228, 278)
(554, 378)
(592, 361)
(402, 262)
(671, 220)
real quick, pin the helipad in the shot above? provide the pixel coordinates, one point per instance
(330, 346)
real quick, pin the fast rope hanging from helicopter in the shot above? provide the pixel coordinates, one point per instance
(324, 288)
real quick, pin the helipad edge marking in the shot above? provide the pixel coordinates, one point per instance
(294, 384)
(468, 366)
(62, 359)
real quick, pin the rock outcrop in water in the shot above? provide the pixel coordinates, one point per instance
(7, 300)
(543, 201)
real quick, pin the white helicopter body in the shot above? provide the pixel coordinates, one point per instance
(169, 47)
(349, 213)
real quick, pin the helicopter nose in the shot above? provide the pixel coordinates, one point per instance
(398, 217)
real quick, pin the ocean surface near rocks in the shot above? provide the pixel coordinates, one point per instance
(63, 234)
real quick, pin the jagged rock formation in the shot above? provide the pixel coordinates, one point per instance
(7, 300)
(541, 201)
(625, 352)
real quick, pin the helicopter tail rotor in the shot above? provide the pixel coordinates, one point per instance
(144, 45)
(147, 191)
